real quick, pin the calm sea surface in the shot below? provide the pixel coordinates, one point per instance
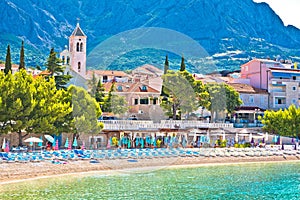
(240, 181)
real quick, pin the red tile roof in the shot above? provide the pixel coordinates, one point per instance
(130, 87)
(106, 73)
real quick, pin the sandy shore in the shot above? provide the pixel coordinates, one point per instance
(12, 172)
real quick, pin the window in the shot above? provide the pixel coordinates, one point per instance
(251, 99)
(136, 101)
(119, 88)
(294, 78)
(77, 47)
(294, 88)
(63, 59)
(294, 101)
(79, 66)
(144, 101)
(155, 101)
(68, 60)
(81, 47)
(104, 79)
(279, 100)
(144, 88)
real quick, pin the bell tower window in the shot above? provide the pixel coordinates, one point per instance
(77, 47)
(81, 47)
(68, 60)
(63, 60)
(79, 65)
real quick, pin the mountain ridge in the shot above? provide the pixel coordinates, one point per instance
(232, 32)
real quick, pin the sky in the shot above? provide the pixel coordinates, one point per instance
(287, 10)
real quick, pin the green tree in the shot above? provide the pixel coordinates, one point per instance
(119, 104)
(166, 66)
(182, 65)
(7, 68)
(107, 106)
(181, 98)
(283, 122)
(51, 108)
(222, 98)
(92, 84)
(22, 57)
(17, 102)
(100, 93)
(199, 88)
(56, 70)
(86, 111)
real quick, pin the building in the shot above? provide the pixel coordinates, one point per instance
(74, 57)
(109, 76)
(141, 89)
(280, 79)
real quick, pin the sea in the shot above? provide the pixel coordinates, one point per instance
(235, 181)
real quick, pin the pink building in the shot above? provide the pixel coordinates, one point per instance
(280, 79)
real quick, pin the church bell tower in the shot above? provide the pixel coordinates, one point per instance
(77, 50)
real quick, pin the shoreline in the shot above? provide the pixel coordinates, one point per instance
(21, 172)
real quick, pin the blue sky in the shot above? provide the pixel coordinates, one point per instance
(287, 10)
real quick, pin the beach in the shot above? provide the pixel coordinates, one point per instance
(14, 172)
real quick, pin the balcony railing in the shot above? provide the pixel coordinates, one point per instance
(164, 124)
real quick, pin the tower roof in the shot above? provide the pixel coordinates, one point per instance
(77, 31)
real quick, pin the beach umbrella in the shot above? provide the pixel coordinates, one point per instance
(70, 146)
(82, 147)
(236, 138)
(49, 138)
(137, 141)
(129, 144)
(266, 135)
(56, 145)
(33, 140)
(75, 142)
(40, 143)
(3, 144)
(108, 144)
(142, 143)
(154, 142)
(67, 143)
(7, 147)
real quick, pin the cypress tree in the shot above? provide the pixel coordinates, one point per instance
(7, 61)
(182, 65)
(100, 92)
(22, 62)
(166, 68)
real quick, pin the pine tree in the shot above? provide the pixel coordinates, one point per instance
(57, 70)
(22, 61)
(7, 61)
(182, 66)
(166, 68)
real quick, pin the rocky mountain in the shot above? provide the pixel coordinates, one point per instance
(231, 31)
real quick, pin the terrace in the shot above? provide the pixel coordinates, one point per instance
(115, 125)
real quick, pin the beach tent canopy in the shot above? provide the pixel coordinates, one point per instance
(244, 131)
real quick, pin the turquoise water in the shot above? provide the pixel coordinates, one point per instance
(241, 181)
